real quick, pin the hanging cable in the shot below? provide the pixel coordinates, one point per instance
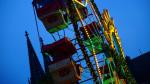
(36, 23)
(53, 37)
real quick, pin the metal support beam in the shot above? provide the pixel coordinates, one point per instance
(77, 33)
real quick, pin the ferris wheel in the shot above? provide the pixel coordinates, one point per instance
(86, 46)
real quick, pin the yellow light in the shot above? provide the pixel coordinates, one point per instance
(94, 54)
(81, 3)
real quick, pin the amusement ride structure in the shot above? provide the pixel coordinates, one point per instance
(86, 47)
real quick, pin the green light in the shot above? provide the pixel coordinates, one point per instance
(96, 41)
(109, 80)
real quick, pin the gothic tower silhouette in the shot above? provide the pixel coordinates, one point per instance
(36, 70)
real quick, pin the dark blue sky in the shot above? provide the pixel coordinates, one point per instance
(131, 18)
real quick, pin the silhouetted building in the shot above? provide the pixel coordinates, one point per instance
(38, 75)
(36, 70)
(140, 68)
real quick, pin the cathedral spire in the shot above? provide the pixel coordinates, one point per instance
(36, 70)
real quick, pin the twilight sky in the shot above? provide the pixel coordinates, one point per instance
(131, 19)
